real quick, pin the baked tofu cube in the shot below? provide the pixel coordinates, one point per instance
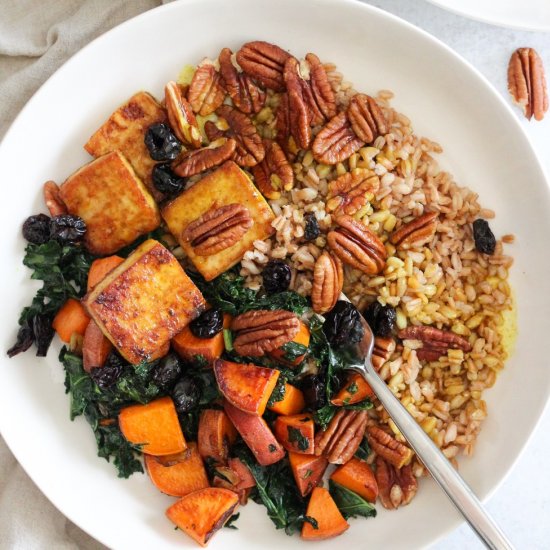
(125, 131)
(227, 185)
(112, 200)
(144, 302)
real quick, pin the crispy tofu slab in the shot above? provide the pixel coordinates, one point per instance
(125, 131)
(227, 185)
(145, 301)
(112, 200)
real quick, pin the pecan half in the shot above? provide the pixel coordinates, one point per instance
(193, 162)
(356, 245)
(386, 446)
(383, 348)
(274, 173)
(417, 232)
(310, 96)
(527, 83)
(250, 149)
(218, 229)
(282, 121)
(246, 95)
(180, 116)
(342, 437)
(262, 331)
(320, 86)
(351, 191)
(396, 486)
(435, 342)
(264, 62)
(366, 118)
(53, 201)
(336, 141)
(328, 280)
(206, 92)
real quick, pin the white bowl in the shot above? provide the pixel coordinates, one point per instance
(529, 15)
(447, 101)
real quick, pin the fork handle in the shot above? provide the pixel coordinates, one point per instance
(437, 464)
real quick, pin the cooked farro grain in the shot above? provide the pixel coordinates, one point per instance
(448, 285)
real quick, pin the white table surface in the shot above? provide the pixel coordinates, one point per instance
(522, 504)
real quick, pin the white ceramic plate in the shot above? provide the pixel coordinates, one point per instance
(446, 99)
(530, 15)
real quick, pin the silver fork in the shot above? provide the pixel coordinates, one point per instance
(433, 459)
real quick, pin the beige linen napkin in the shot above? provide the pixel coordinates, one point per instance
(36, 37)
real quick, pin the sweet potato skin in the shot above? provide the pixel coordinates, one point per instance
(307, 470)
(95, 348)
(323, 509)
(296, 433)
(177, 475)
(247, 387)
(303, 338)
(357, 476)
(355, 389)
(216, 435)
(256, 434)
(154, 425)
(189, 347)
(202, 513)
(293, 401)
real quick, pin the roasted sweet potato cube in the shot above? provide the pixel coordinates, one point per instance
(202, 513)
(292, 402)
(302, 338)
(142, 303)
(96, 347)
(216, 435)
(322, 508)
(154, 425)
(109, 196)
(191, 348)
(178, 475)
(246, 479)
(307, 470)
(125, 131)
(296, 433)
(354, 390)
(256, 434)
(248, 387)
(357, 476)
(226, 185)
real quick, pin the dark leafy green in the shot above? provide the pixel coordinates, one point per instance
(228, 293)
(231, 521)
(293, 350)
(296, 436)
(349, 503)
(276, 490)
(364, 450)
(278, 393)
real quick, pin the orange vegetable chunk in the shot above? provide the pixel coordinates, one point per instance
(302, 337)
(100, 268)
(71, 318)
(293, 401)
(323, 509)
(202, 513)
(154, 425)
(296, 433)
(357, 476)
(256, 434)
(189, 347)
(95, 348)
(248, 387)
(353, 391)
(216, 435)
(308, 470)
(179, 474)
(245, 475)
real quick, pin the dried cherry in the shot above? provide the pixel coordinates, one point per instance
(381, 319)
(186, 394)
(166, 181)
(25, 338)
(343, 324)
(109, 373)
(36, 229)
(161, 142)
(276, 276)
(484, 237)
(167, 371)
(311, 230)
(208, 324)
(67, 229)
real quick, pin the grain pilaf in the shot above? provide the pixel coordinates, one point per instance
(311, 188)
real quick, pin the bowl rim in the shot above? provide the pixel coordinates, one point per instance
(436, 42)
